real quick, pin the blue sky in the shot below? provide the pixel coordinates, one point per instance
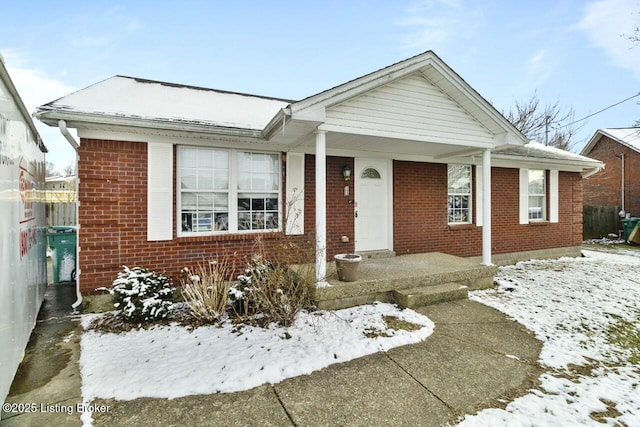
(573, 52)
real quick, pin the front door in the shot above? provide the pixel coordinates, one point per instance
(372, 204)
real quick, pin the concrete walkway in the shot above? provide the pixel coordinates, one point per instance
(476, 358)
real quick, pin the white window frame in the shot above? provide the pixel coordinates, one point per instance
(542, 195)
(232, 192)
(469, 195)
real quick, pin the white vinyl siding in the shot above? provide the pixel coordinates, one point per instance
(408, 108)
(159, 191)
(295, 194)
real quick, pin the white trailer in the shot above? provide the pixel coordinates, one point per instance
(23, 262)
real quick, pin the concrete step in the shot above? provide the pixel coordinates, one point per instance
(376, 254)
(426, 295)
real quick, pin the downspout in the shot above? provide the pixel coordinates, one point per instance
(622, 182)
(623, 212)
(62, 125)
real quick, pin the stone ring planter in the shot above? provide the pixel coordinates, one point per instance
(347, 266)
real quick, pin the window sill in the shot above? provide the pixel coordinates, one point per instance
(456, 227)
(240, 237)
(539, 223)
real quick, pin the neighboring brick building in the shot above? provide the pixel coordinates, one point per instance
(614, 191)
(171, 174)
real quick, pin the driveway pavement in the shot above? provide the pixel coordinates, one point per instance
(476, 358)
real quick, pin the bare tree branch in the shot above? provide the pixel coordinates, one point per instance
(548, 125)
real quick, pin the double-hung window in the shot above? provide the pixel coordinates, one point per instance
(258, 190)
(459, 194)
(537, 195)
(226, 190)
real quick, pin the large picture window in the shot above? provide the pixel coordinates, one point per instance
(459, 193)
(228, 190)
(537, 195)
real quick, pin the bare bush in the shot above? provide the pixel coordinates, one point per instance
(275, 284)
(206, 289)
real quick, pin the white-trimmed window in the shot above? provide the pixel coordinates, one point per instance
(459, 194)
(226, 190)
(258, 191)
(537, 195)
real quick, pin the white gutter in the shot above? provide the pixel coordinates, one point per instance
(62, 125)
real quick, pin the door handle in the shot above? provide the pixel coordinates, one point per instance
(356, 214)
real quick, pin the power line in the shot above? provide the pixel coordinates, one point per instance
(598, 112)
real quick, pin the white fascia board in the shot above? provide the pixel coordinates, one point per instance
(181, 138)
(542, 163)
(512, 135)
(594, 139)
(80, 120)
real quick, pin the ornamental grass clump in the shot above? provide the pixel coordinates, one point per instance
(206, 289)
(142, 295)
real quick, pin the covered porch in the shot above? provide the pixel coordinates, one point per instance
(417, 110)
(409, 280)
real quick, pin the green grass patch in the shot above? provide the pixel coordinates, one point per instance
(625, 334)
(392, 323)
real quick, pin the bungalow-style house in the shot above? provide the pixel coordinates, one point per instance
(616, 190)
(406, 159)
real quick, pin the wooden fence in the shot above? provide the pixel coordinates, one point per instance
(61, 214)
(600, 221)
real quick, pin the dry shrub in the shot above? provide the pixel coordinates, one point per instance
(206, 289)
(276, 283)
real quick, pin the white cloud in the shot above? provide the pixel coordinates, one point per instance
(539, 67)
(433, 23)
(608, 23)
(36, 88)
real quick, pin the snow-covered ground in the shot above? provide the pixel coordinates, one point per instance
(173, 361)
(573, 305)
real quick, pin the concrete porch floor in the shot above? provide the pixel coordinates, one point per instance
(379, 279)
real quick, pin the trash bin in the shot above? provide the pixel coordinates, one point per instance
(62, 241)
(629, 224)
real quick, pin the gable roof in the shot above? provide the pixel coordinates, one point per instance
(129, 99)
(429, 66)
(629, 137)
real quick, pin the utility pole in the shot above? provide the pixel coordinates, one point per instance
(546, 130)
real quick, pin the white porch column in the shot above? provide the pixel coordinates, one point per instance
(321, 208)
(486, 207)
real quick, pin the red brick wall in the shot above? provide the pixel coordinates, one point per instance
(340, 219)
(420, 214)
(113, 217)
(604, 187)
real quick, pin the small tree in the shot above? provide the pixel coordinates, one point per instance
(550, 124)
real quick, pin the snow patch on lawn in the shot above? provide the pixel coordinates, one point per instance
(172, 361)
(571, 304)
